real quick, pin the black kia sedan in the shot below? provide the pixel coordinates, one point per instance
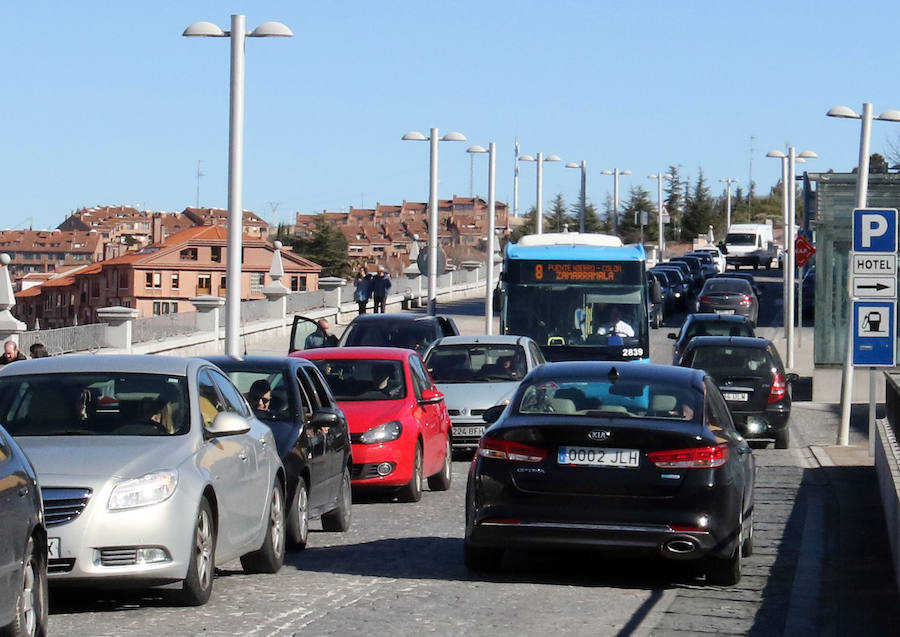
(291, 397)
(751, 377)
(613, 456)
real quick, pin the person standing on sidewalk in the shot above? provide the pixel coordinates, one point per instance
(381, 284)
(363, 283)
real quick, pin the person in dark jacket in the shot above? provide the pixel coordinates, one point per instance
(321, 337)
(381, 284)
(11, 353)
(38, 350)
(363, 283)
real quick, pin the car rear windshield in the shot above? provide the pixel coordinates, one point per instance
(741, 239)
(414, 335)
(363, 379)
(732, 361)
(733, 286)
(619, 399)
(94, 404)
(476, 363)
(718, 328)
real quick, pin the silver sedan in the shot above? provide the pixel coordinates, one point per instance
(153, 469)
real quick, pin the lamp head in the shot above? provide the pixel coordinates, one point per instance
(414, 136)
(476, 149)
(890, 115)
(842, 111)
(625, 172)
(271, 30)
(808, 154)
(453, 136)
(204, 30)
(526, 158)
(552, 158)
(572, 164)
(776, 153)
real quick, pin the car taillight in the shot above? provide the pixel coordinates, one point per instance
(506, 450)
(693, 458)
(745, 300)
(779, 388)
(705, 299)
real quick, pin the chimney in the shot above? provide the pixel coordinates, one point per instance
(156, 232)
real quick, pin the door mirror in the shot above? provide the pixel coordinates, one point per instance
(492, 414)
(323, 418)
(656, 292)
(227, 424)
(430, 397)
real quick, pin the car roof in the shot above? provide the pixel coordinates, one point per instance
(710, 317)
(373, 353)
(399, 318)
(151, 364)
(577, 370)
(259, 362)
(729, 341)
(484, 339)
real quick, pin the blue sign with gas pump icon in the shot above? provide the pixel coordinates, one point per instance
(874, 333)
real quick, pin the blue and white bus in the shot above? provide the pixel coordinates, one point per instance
(579, 296)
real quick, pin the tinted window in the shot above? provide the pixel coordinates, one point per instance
(476, 363)
(717, 328)
(363, 379)
(415, 334)
(308, 389)
(731, 361)
(734, 286)
(321, 388)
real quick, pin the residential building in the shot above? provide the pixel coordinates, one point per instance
(42, 251)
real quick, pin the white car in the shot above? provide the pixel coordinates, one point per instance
(153, 469)
(475, 373)
(716, 254)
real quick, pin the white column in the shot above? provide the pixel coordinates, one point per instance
(539, 207)
(433, 217)
(235, 189)
(492, 206)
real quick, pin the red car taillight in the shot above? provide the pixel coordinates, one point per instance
(693, 458)
(745, 300)
(506, 450)
(779, 388)
(705, 299)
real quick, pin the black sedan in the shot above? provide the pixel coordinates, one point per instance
(708, 325)
(729, 296)
(613, 456)
(291, 397)
(753, 382)
(23, 544)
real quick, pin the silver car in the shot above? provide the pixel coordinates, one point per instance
(153, 469)
(475, 373)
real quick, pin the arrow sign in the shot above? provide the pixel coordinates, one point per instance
(878, 285)
(881, 287)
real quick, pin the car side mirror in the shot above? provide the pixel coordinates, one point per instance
(492, 414)
(323, 418)
(227, 424)
(672, 336)
(791, 377)
(430, 397)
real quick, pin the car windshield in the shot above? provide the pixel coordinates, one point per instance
(726, 286)
(741, 239)
(732, 361)
(619, 399)
(717, 328)
(476, 363)
(94, 404)
(364, 379)
(260, 383)
(415, 335)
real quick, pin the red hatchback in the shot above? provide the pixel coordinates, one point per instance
(399, 425)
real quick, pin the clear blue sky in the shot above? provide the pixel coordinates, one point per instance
(107, 104)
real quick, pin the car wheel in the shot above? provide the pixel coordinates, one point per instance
(270, 556)
(338, 519)
(747, 546)
(441, 480)
(197, 586)
(412, 492)
(31, 597)
(479, 558)
(783, 438)
(298, 517)
(724, 571)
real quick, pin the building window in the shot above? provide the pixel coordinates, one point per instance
(154, 279)
(175, 277)
(215, 254)
(257, 282)
(223, 284)
(188, 254)
(298, 283)
(204, 283)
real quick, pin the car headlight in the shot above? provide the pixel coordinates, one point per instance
(152, 488)
(382, 433)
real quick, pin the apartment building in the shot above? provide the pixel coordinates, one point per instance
(42, 251)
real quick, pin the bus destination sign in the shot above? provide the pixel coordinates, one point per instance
(551, 272)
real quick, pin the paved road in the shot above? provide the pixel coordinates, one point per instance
(818, 568)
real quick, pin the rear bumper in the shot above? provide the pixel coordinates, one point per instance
(755, 424)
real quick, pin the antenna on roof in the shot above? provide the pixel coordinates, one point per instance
(200, 174)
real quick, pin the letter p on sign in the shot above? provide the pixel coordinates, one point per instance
(872, 226)
(875, 230)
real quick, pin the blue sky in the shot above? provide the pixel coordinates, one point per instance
(107, 104)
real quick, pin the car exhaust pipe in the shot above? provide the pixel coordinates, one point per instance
(680, 546)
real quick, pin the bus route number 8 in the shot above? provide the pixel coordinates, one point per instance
(539, 271)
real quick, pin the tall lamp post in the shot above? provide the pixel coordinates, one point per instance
(862, 192)
(491, 232)
(581, 218)
(785, 207)
(434, 138)
(238, 33)
(539, 207)
(659, 211)
(615, 172)
(728, 181)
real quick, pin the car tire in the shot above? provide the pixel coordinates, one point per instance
(270, 556)
(724, 571)
(747, 546)
(298, 517)
(338, 519)
(441, 480)
(31, 597)
(412, 491)
(482, 559)
(197, 585)
(783, 438)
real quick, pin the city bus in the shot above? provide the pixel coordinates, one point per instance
(579, 296)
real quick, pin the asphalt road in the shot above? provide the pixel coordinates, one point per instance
(399, 570)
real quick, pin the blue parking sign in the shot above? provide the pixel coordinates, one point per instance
(875, 230)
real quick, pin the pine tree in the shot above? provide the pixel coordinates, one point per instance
(608, 213)
(629, 226)
(592, 222)
(559, 216)
(327, 247)
(674, 201)
(699, 213)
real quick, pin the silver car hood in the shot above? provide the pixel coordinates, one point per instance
(102, 457)
(476, 395)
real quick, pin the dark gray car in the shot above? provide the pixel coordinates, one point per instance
(729, 296)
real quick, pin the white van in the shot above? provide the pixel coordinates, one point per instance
(750, 244)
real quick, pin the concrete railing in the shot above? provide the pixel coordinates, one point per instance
(887, 465)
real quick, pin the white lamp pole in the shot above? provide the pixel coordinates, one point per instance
(659, 211)
(583, 167)
(235, 160)
(539, 206)
(728, 181)
(862, 192)
(416, 136)
(615, 172)
(785, 208)
(491, 232)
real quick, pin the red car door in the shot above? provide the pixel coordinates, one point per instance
(435, 420)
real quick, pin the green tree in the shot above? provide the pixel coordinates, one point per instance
(592, 222)
(327, 247)
(674, 201)
(559, 216)
(526, 228)
(699, 213)
(284, 235)
(608, 214)
(629, 227)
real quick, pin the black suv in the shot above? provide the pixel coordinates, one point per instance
(412, 331)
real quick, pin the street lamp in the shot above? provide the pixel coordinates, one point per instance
(539, 207)
(416, 136)
(615, 172)
(489, 271)
(728, 181)
(659, 210)
(237, 34)
(583, 167)
(862, 192)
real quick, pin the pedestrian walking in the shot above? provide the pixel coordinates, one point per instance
(11, 353)
(381, 284)
(363, 283)
(37, 350)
